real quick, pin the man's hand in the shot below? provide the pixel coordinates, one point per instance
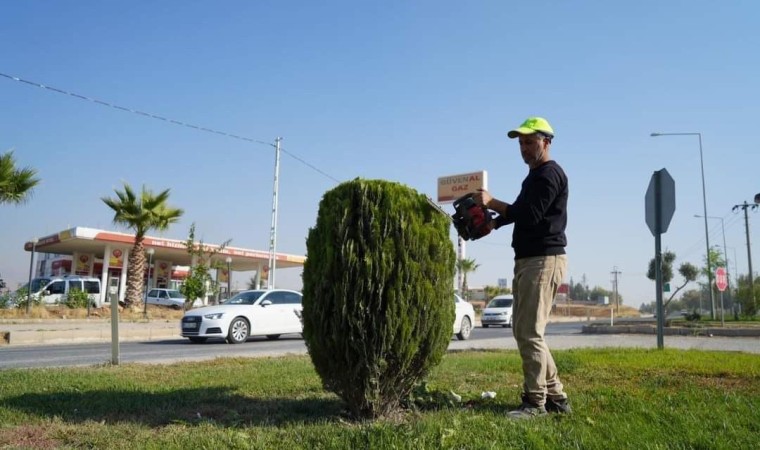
(482, 198)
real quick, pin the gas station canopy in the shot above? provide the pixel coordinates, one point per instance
(96, 242)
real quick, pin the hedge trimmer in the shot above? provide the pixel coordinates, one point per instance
(469, 219)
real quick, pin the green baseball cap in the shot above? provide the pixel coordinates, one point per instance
(532, 125)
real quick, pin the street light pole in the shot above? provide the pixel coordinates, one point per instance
(147, 287)
(704, 206)
(29, 286)
(229, 277)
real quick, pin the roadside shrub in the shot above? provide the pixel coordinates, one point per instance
(378, 288)
(21, 297)
(76, 299)
(6, 301)
(693, 316)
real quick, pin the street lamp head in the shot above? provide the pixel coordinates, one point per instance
(693, 133)
(35, 241)
(757, 198)
(229, 260)
(151, 251)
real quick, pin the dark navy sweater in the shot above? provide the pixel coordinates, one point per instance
(539, 213)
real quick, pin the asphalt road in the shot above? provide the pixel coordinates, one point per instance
(561, 335)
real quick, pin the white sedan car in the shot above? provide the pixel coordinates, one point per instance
(498, 311)
(165, 297)
(267, 313)
(465, 318)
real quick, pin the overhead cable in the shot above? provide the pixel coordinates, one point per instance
(165, 119)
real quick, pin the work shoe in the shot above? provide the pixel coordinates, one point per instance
(560, 406)
(527, 410)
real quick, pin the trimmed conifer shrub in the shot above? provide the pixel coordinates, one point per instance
(378, 307)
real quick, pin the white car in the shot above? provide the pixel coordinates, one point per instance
(269, 313)
(465, 318)
(166, 297)
(498, 311)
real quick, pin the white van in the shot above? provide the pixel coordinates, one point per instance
(53, 290)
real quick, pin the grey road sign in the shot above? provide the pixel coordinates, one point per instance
(660, 201)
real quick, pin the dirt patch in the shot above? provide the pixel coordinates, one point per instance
(574, 310)
(61, 312)
(27, 436)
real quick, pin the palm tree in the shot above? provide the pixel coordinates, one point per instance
(465, 266)
(141, 214)
(15, 184)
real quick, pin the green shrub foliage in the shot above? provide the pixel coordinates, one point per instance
(76, 299)
(378, 306)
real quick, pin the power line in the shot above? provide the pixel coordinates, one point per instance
(716, 231)
(309, 165)
(164, 119)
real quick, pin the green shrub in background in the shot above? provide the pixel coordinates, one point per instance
(378, 291)
(7, 300)
(21, 297)
(76, 299)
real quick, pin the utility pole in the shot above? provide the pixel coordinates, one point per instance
(585, 287)
(615, 272)
(273, 230)
(746, 206)
(461, 250)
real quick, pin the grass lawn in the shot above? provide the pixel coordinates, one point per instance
(638, 399)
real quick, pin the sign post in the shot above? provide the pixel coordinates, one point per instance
(450, 188)
(721, 282)
(660, 204)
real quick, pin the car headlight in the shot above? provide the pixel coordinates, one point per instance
(214, 316)
(502, 314)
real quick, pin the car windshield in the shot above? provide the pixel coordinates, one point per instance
(500, 303)
(244, 298)
(37, 284)
(174, 294)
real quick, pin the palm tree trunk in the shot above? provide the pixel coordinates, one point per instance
(135, 274)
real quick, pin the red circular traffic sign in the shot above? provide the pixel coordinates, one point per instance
(721, 280)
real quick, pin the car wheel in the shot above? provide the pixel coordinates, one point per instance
(465, 329)
(239, 331)
(197, 340)
(272, 337)
(485, 325)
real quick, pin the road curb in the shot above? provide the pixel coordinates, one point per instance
(671, 331)
(42, 333)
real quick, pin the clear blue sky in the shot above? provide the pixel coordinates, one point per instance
(398, 90)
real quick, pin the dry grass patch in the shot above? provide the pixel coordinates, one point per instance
(135, 314)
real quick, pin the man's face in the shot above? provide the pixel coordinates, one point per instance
(532, 148)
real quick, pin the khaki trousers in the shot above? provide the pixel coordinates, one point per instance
(534, 287)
